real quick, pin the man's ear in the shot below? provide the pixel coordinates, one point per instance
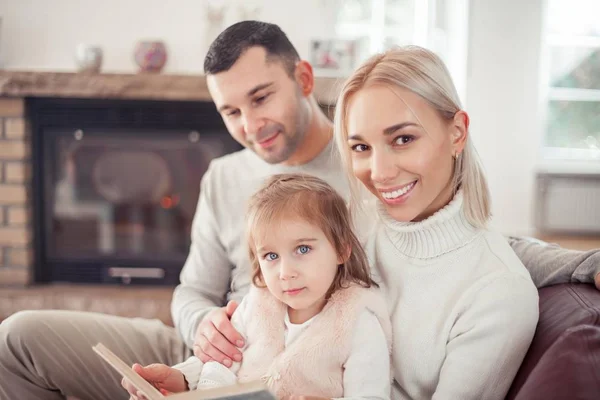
(304, 76)
(460, 132)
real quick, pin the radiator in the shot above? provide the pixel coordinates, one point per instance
(568, 204)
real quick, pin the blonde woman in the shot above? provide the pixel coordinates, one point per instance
(463, 307)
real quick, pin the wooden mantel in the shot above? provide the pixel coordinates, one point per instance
(143, 86)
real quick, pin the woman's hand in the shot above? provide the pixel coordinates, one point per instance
(166, 379)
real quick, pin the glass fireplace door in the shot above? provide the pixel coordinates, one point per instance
(124, 199)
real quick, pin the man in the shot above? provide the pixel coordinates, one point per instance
(263, 91)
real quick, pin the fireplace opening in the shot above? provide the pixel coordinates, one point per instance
(115, 186)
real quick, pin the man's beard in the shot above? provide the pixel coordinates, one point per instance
(290, 145)
(292, 141)
(284, 152)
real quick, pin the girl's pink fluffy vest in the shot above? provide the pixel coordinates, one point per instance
(313, 364)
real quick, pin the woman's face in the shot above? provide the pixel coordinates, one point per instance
(402, 150)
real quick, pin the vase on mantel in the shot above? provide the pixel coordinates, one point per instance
(88, 58)
(150, 56)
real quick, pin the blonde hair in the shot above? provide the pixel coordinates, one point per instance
(312, 200)
(422, 72)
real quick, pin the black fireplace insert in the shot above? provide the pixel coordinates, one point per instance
(115, 186)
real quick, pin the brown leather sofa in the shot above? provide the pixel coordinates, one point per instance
(563, 361)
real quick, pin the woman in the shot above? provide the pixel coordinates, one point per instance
(463, 307)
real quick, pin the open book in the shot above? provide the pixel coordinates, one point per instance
(251, 390)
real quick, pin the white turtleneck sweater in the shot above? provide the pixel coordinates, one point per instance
(464, 308)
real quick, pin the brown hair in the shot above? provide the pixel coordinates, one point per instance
(316, 202)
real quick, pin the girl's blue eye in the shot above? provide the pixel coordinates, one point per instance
(271, 256)
(303, 249)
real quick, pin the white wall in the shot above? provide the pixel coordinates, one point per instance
(501, 86)
(43, 34)
(503, 102)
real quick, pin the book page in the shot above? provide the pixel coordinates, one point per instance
(140, 383)
(244, 391)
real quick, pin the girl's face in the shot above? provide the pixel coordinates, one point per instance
(402, 150)
(298, 265)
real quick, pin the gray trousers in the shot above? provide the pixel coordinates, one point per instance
(48, 354)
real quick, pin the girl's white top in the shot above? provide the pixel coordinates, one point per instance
(366, 372)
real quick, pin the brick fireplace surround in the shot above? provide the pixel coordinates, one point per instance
(17, 289)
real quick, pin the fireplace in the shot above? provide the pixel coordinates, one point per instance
(115, 186)
(50, 150)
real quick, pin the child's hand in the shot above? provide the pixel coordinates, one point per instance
(166, 379)
(216, 338)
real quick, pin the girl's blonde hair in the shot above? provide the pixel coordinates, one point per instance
(422, 72)
(310, 199)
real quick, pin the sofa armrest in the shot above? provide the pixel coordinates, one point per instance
(563, 361)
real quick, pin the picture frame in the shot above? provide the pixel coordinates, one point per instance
(333, 54)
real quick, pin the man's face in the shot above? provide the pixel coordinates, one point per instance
(261, 105)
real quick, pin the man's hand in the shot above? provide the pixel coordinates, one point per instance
(164, 378)
(216, 338)
(597, 281)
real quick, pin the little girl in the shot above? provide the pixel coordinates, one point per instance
(313, 322)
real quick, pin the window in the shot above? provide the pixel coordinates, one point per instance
(439, 25)
(572, 38)
(378, 24)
